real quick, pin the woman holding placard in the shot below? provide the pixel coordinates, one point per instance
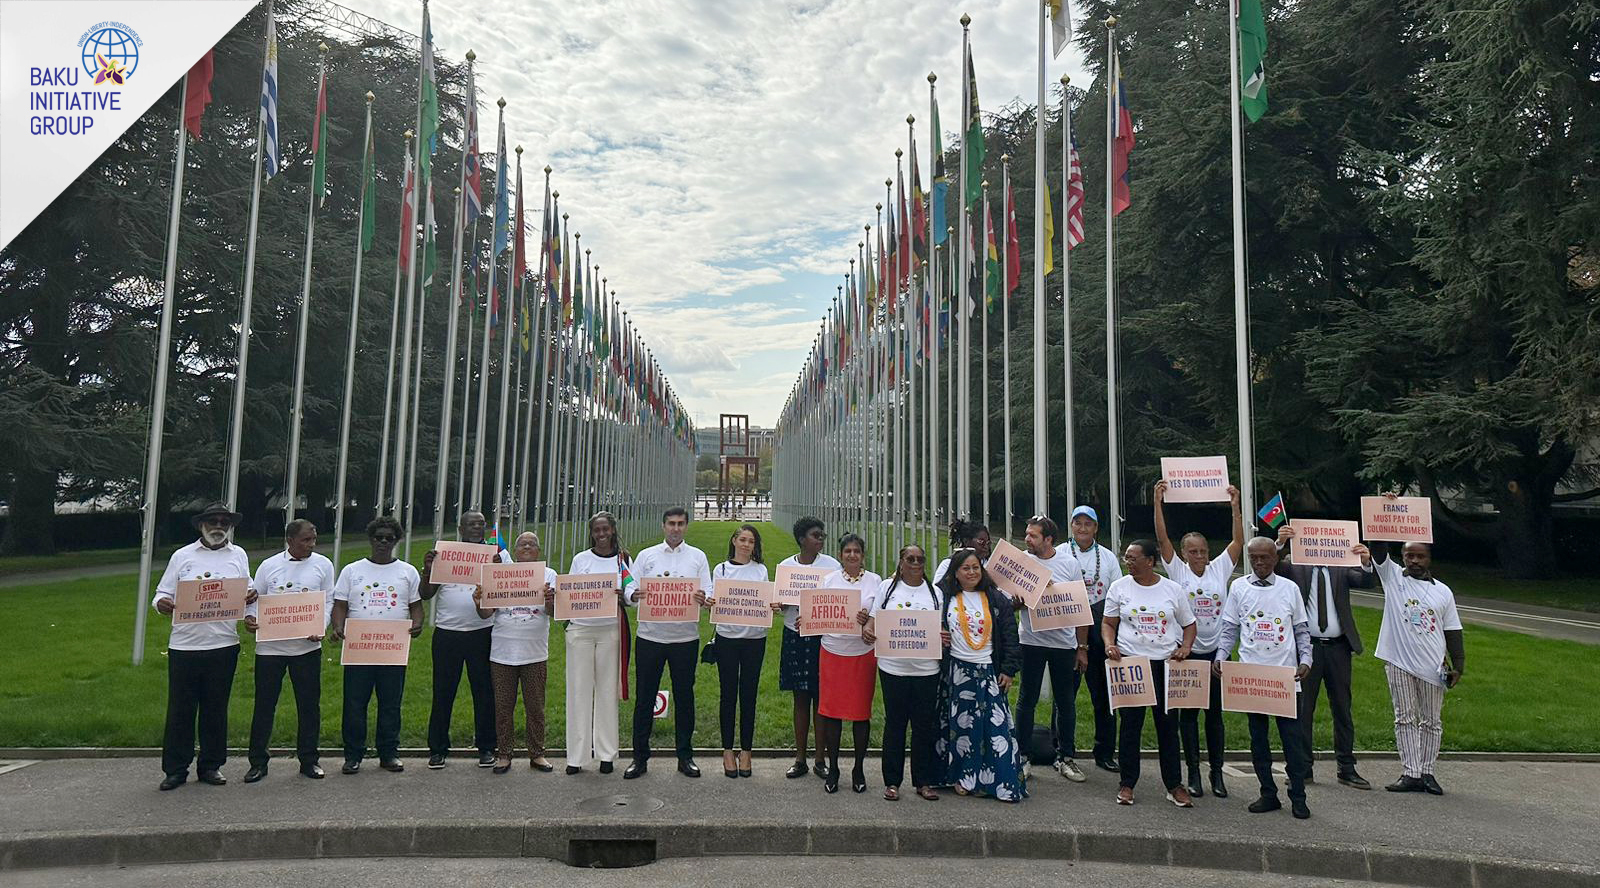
(797, 658)
(1148, 615)
(847, 669)
(739, 651)
(976, 741)
(593, 657)
(910, 686)
(518, 649)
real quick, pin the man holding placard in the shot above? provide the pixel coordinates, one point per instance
(1265, 615)
(1100, 569)
(378, 587)
(461, 638)
(201, 656)
(296, 572)
(1065, 652)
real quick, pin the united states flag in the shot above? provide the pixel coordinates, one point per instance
(1074, 196)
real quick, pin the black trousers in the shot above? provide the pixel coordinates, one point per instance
(909, 700)
(650, 658)
(359, 684)
(305, 675)
(1189, 724)
(1330, 666)
(451, 651)
(1132, 728)
(1105, 721)
(1296, 758)
(198, 685)
(1064, 679)
(739, 673)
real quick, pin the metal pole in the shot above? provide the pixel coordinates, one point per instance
(340, 503)
(295, 413)
(1041, 427)
(1241, 304)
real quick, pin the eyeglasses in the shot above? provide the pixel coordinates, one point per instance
(384, 538)
(916, 559)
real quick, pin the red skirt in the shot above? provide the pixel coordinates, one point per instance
(845, 685)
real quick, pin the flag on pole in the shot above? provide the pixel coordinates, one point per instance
(519, 252)
(902, 250)
(430, 245)
(972, 148)
(502, 195)
(1272, 514)
(408, 213)
(1060, 25)
(1013, 244)
(369, 191)
(428, 103)
(1048, 256)
(919, 208)
(319, 141)
(197, 92)
(1122, 145)
(991, 260)
(941, 181)
(473, 192)
(269, 99)
(1252, 59)
(1075, 196)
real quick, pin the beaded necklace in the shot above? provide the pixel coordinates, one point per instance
(985, 626)
(1094, 581)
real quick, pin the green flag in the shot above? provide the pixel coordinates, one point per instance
(430, 246)
(992, 277)
(972, 149)
(1252, 59)
(428, 99)
(369, 193)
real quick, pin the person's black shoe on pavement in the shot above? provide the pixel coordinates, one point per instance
(1264, 804)
(173, 781)
(485, 759)
(607, 767)
(350, 767)
(1218, 788)
(312, 770)
(213, 778)
(394, 765)
(573, 769)
(255, 773)
(435, 762)
(1299, 809)
(637, 769)
(1406, 784)
(1196, 790)
(1107, 764)
(1431, 785)
(688, 768)
(1354, 780)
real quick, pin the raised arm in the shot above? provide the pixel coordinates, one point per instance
(1163, 541)
(1236, 547)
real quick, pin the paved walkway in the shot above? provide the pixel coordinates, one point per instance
(1529, 619)
(1498, 821)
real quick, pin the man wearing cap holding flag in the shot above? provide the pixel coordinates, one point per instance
(1100, 569)
(201, 657)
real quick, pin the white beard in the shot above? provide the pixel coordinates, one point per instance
(214, 537)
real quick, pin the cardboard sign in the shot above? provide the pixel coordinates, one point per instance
(461, 563)
(1195, 479)
(1017, 573)
(209, 600)
(1404, 519)
(519, 584)
(829, 612)
(1248, 687)
(908, 634)
(1188, 684)
(585, 596)
(290, 615)
(1325, 543)
(376, 643)
(794, 579)
(1061, 606)
(1129, 683)
(742, 603)
(668, 600)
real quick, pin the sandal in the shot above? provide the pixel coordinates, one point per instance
(891, 793)
(928, 793)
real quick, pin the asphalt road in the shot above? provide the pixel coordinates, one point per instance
(1546, 622)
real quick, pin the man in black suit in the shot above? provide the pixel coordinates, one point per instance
(1334, 641)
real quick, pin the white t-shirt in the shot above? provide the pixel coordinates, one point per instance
(521, 634)
(1100, 569)
(586, 562)
(1207, 594)
(974, 605)
(453, 608)
(865, 585)
(1416, 614)
(279, 575)
(826, 562)
(905, 597)
(196, 562)
(1063, 567)
(755, 570)
(1266, 616)
(1151, 617)
(378, 591)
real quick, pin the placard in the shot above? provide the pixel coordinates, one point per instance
(1129, 683)
(376, 643)
(1251, 687)
(1195, 479)
(519, 584)
(792, 579)
(668, 600)
(460, 563)
(1017, 573)
(1325, 543)
(908, 634)
(1188, 684)
(742, 603)
(209, 600)
(585, 596)
(290, 615)
(1063, 605)
(1404, 519)
(829, 612)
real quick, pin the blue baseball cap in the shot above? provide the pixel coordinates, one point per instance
(1085, 510)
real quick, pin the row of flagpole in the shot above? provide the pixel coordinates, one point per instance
(611, 432)
(849, 411)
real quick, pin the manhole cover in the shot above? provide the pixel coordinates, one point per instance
(620, 804)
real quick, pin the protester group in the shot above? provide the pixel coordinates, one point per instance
(953, 709)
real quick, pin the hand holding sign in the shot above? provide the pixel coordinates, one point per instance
(1016, 574)
(1195, 479)
(459, 563)
(210, 600)
(1401, 519)
(1324, 543)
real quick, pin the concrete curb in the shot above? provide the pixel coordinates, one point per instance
(553, 840)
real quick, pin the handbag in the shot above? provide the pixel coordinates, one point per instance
(709, 653)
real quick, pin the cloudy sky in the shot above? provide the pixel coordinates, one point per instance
(720, 156)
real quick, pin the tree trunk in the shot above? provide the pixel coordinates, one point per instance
(1525, 544)
(30, 527)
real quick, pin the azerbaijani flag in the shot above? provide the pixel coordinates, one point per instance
(1272, 514)
(495, 538)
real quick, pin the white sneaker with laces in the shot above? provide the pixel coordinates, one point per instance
(1070, 770)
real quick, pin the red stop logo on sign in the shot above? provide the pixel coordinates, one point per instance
(660, 709)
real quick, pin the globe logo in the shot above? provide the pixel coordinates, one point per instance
(110, 47)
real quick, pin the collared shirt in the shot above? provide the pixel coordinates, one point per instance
(823, 561)
(1416, 614)
(1062, 567)
(661, 560)
(454, 609)
(196, 562)
(1320, 580)
(280, 575)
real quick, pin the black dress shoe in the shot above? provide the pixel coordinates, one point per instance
(637, 769)
(173, 781)
(313, 770)
(1196, 790)
(485, 759)
(858, 780)
(436, 762)
(1218, 788)
(350, 767)
(255, 773)
(573, 769)
(213, 778)
(394, 765)
(688, 768)
(1406, 784)
(798, 769)
(1299, 809)
(1107, 764)
(1431, 785)
(830, 781)
(1352, 779)
(607, 767)
(1264, 804)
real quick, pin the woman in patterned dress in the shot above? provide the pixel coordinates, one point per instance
(982, 656)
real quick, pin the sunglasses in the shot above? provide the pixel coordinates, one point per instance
(384, 538)
(916, 559)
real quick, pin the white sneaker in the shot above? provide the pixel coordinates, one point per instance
(1027, 770)
(1070, 770)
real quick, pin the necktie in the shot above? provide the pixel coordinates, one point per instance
(1324, 601)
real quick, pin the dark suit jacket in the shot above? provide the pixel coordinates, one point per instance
(1344, 579)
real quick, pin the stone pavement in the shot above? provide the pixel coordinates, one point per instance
(1500, 823)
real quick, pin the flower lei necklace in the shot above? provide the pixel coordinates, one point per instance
(985, 624)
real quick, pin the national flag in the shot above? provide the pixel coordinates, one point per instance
(319, 140)
(566, 276)
(428, 102)
(972, 148)
(1122, 141)
(197, 92)
(1075, 195)
(1047, 257)
(430, 245)
(1252, 59)
(890, 259)
(1272, 514)
(369, 191)
(576, 288)
(941, 182)
(902, 250)
(1013, 244)
(1060, 25)
(494, 537)
(519, 250)
(502, 196)
(919, 208)
(974, 267)
(470, 161)
(991, 260)
(269, 100)
(872, 283)
(408, 213)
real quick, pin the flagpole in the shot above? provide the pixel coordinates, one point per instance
(1005, 339)
(415, 422)
(466, 380)
(964, 398)
(1041, 428)
(488, 322)
(1113, 453)
(296, 414)
(1070, 466)
(558, 397)
(547, 351)
(1241, 305)
(447, 402)
(158, 389)
(933, 332)
(983, 350)
(394, 333)
(531, 359)
(953, 506)
(340, 503)
(510, 323)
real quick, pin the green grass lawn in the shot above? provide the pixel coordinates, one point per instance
(67, 680)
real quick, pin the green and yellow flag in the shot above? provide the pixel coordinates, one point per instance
(1252, 59)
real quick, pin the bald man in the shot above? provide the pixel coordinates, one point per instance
(460, 638)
